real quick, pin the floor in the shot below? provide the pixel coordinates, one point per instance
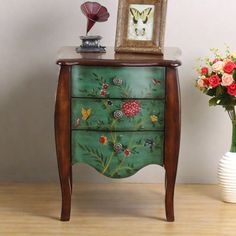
(114, 209)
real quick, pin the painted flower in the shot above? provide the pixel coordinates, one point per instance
(77, 123)
(156, 81)
(153, 118)
(109, 102)
(232, 89)
(131, 108)
(105, 86)
(204, 70)
(127, 152)
(103, 140)
(229, 67)
(103, 92)
(227, 80)
(214, 81)
(218, 66)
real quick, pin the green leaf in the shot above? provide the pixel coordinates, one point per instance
(211, 92)
(219, 91)
(94, 74)
(213, 101)
(234, 75)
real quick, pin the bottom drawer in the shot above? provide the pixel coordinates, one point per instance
(117, 154)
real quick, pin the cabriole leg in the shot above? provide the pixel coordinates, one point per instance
(62, 136)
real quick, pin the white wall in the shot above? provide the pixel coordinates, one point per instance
(31, 32)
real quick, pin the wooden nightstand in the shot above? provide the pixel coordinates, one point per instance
(117, 113)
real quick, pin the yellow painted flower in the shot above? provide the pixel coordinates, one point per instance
(154, 118)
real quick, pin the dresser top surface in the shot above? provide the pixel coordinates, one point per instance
(69, 56)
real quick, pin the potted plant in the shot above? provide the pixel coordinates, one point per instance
(217, 79)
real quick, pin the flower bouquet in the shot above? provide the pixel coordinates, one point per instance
(217, 79)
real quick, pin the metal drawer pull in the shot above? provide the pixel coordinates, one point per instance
(117, 147)
(118, 114)
(117, 81)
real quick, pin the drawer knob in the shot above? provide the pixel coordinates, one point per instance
(117, 81)
(117, 147)
(118, 114)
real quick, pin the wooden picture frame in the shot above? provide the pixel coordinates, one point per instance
(141, 26)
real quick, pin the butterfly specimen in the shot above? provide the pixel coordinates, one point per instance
(140, 20)
(86, 113)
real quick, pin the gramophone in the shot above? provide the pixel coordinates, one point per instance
(94, 12)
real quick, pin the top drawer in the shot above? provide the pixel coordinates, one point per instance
(118, 82)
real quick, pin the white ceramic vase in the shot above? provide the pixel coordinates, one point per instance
(227, 177)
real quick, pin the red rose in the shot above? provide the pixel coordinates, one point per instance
(214, 81)
(204, 70)
(206, 82)
(105, 86)
(232, 89)
(102, 92)
(229, 67)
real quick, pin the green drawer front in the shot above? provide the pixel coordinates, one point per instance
(114, 114)
(118, 154)
(118, 82)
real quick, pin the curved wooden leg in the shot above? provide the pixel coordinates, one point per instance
(172, 139)
(169, 198)
(62, 136)
(66, 199)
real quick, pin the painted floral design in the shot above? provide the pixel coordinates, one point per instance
(131, 108)
(103, 140)
(102, 92)
(118, 154)
(113, 114)
(77, 123)
(127, 152)
(154, 118)
(105, 86)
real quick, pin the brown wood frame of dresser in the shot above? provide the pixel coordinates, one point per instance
(172, 122)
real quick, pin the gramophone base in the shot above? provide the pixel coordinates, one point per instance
(91, 44)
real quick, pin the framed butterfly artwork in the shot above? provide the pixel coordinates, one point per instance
(141, 26)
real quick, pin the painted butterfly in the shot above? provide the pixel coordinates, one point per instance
(86, 113)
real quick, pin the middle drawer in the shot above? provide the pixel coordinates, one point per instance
(117, 114)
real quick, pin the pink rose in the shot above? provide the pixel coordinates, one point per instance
(215, 60)
(229, 67)
(214, 81)
(202, 82)
(227, 80)
(218, 66)
(232, 89)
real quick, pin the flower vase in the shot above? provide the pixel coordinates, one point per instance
(227, 170)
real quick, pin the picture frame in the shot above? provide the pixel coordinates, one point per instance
(141, 26)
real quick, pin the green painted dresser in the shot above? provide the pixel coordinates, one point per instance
(117, 113)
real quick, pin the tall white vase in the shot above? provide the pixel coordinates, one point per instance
(227, 177)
